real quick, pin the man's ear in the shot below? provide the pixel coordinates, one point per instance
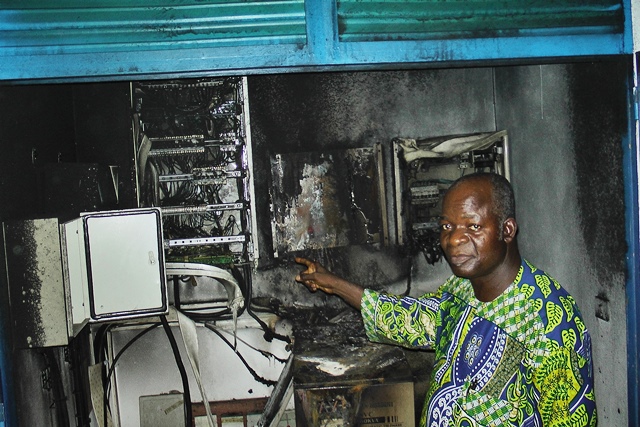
(509, 229)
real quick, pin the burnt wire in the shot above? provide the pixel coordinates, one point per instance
(242, 274)
(99, 342)
(269, 335)
(203, 314)
(255, 375)
(409, 276)
(245, 285)
(264, 353)
(230, 225)
(125, 347)
(174, 346)
(208, 314)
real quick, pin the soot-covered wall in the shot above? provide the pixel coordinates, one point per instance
(566, 125)
(315, 112)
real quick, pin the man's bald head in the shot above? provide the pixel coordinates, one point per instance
(503, 199)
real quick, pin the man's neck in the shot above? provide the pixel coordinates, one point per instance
(488, 288)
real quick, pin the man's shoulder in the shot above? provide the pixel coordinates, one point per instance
(556, 310)
(536, 284)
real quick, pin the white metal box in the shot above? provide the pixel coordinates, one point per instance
(114, 265)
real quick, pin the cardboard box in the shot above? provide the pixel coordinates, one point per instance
(388, 405)
(375, 405)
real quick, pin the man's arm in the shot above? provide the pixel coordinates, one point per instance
(404, 321)
(317, 277)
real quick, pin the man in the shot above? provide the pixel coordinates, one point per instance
(511, 348)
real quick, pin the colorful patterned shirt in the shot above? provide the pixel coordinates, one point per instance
(523, 359)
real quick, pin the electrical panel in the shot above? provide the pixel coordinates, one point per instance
(425, 168)
(193, 156)
(327, 199)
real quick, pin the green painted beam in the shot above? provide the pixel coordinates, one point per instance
(111, 26)
(370, 20)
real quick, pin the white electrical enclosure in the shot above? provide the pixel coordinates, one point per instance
(126, 263)
(115, 265)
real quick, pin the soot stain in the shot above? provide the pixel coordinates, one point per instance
(26, 289)
(599, 117)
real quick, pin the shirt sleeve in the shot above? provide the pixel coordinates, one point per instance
(565, 384)
(405, 321)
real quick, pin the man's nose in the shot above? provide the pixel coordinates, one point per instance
(458, 236)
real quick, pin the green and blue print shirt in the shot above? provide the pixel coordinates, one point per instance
(523, 359)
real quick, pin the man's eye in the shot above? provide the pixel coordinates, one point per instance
(445, 227)
(474, 227)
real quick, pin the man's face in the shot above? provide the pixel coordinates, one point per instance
(470, 231)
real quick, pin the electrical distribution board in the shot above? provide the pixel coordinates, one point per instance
(194, 162)
(424, 170)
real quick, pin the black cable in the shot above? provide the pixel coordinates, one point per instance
(125, 347)
(244, 362)
(99, 342)
(188, 413)
(99, 351)
(211, 313)
(222, 314)
(269, 335)
(107, 381)
(263, 353)
(176, 292)
(78, 358)
(409, 278)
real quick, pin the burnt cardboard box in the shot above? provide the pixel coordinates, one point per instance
(365, 404)
(387, 405)
(355, 383)
(340, 378)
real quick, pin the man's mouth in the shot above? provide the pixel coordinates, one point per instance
(459, 259)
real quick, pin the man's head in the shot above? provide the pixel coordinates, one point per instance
(478, 229)
(503, 200)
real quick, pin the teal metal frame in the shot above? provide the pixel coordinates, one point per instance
(123, 39)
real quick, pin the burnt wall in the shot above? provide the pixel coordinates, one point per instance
(36, 128)
(599, 117)
(57, 143)
(320, 112)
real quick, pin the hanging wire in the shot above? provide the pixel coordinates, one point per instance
(255, 375)
(107, 380)
(188, 412)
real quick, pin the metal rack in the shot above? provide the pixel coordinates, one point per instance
(193, 154)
